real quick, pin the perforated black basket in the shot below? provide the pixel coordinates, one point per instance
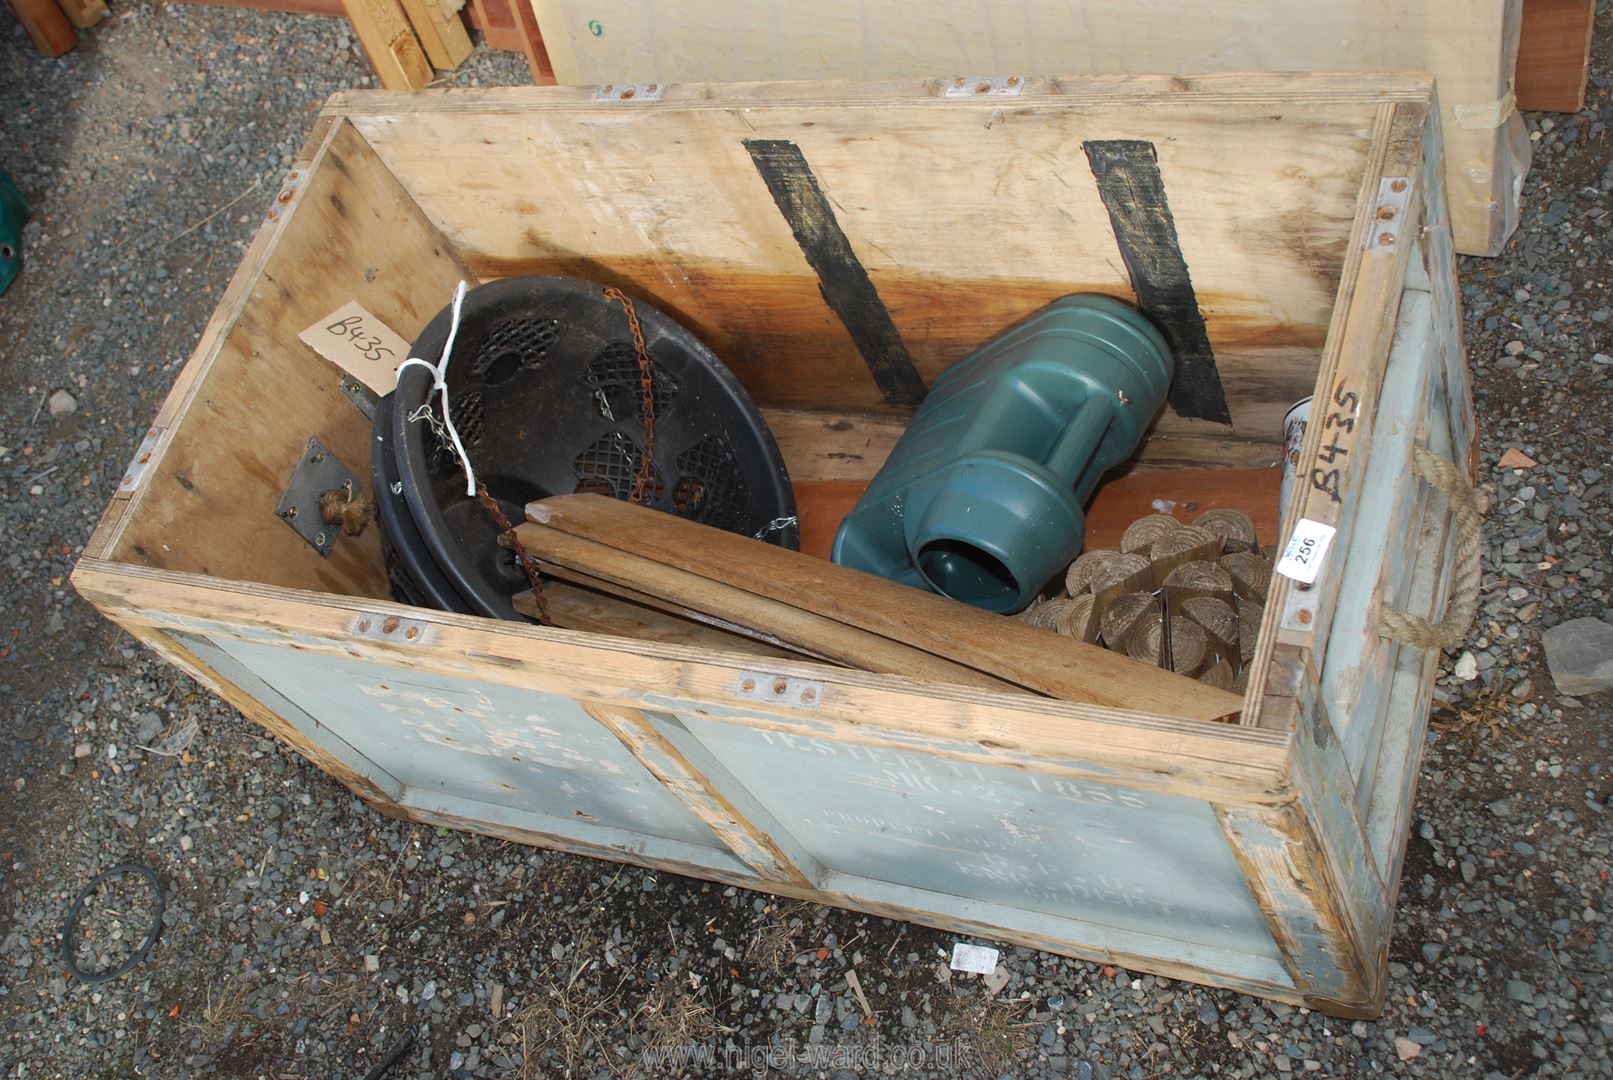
(544, 389)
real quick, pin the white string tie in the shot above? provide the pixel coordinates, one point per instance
(439, 376)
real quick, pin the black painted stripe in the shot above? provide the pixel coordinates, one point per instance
(844, 283)
(1127, 171)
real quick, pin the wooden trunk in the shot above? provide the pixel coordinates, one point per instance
(1308, 225)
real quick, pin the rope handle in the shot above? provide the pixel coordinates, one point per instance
(1467, 505)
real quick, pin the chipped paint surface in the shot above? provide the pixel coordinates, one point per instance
(459, 738)
(1131, 860)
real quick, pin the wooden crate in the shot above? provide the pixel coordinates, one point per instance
(1469, 47)
(1304, 219)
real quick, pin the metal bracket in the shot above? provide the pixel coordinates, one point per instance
(1388, 213)
(960, 86)
(393, 628)
(144, 458)
(316, 473)
(780, 689)
(360, 395)
(629, 92)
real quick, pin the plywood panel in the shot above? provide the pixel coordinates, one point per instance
(1469, 47)
(255, 393)
(1121, 861)
(452, 738)
(968, 215)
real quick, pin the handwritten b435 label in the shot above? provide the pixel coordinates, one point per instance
(1307, 547)
(360, 344)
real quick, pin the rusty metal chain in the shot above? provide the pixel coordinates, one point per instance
(646, 382)
(641, 479)
(529, 563)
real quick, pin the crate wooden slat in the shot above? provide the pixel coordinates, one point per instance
(1261, 856)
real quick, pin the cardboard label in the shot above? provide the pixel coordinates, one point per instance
(1307, 547)
(980, 959)
(360, 344)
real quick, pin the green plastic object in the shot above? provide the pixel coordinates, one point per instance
(13, 213)
(981, 498)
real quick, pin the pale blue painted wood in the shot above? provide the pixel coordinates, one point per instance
(445, 738)
(1421, 569)
(1382, 530)
(1387, 798)
(1097, 942)
(1083, 862)
(233, 671)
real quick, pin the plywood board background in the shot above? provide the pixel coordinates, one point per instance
(967, 214)
(1470, 47)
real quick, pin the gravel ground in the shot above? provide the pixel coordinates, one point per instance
(308, 936)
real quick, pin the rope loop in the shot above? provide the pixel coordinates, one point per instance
(1468, 505)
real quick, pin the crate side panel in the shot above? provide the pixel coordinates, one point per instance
(967, 216)
(1122, 863)
(1378, 551)
(1469, 47)
(208, 503)
(452, 741)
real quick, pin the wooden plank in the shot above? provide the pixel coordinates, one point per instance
(1554, 54)
(851, 446)
(1328, 485)
(1280, 853)
(1225, 763)
(755, 848)
(957, 254)
(1468, 47)
(1028, 657)
(1183, 492)
(343, 231)
(646, 581)
(83, 13)
(572, 607)
(1380, 550)
(46, 25)
(442, 35)
(389, 42)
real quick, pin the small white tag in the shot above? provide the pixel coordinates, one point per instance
(1307, 547)
(360, 344)
(980, 959)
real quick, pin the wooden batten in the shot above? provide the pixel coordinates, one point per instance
(838, 245)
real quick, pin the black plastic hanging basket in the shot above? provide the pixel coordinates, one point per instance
(544, 390)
